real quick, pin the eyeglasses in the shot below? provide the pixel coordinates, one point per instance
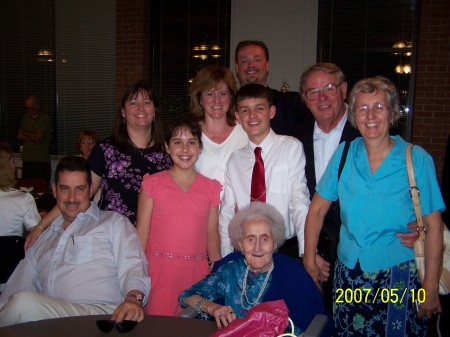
(329, 90)
(106, 325)
(378, 109)
(84, 142)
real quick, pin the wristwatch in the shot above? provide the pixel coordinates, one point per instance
(138, 297)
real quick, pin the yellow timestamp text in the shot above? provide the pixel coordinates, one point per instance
(370, 295)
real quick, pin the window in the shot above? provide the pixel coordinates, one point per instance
(186, 36)
(369, 38)
(63, 52)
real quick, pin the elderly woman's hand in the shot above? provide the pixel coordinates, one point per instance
(223, 314)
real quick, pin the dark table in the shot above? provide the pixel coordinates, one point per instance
(84, 326)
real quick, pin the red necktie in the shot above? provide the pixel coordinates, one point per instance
(258, 192)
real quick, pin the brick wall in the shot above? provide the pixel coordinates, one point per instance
(431, 119)
(132, 43)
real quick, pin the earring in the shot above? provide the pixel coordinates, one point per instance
(123, 120)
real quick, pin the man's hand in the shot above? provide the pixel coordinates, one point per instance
(324, 268)
(408, 238)
(130, 310)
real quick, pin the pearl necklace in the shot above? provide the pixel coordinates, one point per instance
(244, 289)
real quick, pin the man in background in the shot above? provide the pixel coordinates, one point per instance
(252, 66)
(35, 133)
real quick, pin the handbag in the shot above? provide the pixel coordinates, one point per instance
(419, 244)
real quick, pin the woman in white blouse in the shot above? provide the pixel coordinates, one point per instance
(212, 103)
(17, 209)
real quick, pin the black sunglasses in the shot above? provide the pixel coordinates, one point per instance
(106, 325)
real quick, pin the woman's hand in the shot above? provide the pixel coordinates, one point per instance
(432, 304)
(224, 315)
(33, 235)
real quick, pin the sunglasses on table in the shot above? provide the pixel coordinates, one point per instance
(106, 325)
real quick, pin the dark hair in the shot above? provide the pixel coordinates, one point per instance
(251, 43)
(120, 137)
(209, 77)
(73, 164)
(190, 124)
(254, 90)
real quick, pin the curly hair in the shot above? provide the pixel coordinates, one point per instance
(257, 210)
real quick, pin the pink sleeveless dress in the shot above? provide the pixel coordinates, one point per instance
(177, 245)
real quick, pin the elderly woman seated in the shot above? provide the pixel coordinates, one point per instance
(256, 274)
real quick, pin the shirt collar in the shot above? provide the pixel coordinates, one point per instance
(337, 129)
(93, 211)
(265, 143)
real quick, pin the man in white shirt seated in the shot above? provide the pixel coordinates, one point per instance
(284, 170)
(88, 262)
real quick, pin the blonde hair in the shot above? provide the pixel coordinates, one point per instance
(7, 178)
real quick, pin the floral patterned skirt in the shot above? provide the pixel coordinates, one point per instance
(377, 304)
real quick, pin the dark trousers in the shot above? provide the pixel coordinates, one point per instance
(36, 170)
(290, 248)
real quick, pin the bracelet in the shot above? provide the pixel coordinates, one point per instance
(41, 227)
(198, 305)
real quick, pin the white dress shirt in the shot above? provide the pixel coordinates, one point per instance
(214, 157)
(325, 144)
(284, 168)
(18, 210)
(98, 259)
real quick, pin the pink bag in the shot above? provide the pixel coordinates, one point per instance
(267, 319)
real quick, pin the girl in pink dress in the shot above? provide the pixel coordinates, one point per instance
(177, 221)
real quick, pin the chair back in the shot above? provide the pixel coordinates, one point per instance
(11, 252)
(39, 185)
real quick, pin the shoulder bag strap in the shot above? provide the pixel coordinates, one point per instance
(414, 192)
(343, 158)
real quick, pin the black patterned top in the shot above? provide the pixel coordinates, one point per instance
(122, 174)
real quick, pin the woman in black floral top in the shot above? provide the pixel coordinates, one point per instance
(134, 149)
(119, 162)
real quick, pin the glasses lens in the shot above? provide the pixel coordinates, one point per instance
(125, 326)
(312, 94)
(330, 90)
(105, 325)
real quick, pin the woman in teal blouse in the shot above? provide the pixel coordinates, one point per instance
(375, 276)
